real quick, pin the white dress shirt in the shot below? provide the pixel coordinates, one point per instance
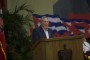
(46, 33)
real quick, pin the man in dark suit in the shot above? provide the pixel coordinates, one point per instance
(42, 31)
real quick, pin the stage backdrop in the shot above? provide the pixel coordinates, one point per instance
(65, 27)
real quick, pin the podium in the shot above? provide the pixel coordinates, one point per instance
(47, 49)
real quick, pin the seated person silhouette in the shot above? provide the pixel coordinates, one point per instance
(86, 49)
(43, 31)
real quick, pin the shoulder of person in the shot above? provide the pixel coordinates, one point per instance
(49, 29)
(37, 29)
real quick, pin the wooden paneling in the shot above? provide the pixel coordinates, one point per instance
(47, 49)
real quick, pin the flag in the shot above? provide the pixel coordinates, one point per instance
(65, 27)
(2, 37)
(2, 42)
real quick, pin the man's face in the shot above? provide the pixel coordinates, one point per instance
(45, 23)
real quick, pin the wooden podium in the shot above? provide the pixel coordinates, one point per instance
(47, 49)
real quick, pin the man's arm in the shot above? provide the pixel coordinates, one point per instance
(34, 36)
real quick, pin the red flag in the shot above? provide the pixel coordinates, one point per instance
(2, 42)
(2, 37)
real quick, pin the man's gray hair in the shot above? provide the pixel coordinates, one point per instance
(43, 17)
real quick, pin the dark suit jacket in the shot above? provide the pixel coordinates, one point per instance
(39, 33)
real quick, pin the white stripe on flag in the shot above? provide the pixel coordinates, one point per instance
(55, 20)
(82, 30)
(58, 28)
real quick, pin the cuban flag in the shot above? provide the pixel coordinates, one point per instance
(65, 27)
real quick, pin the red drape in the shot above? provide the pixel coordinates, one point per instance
(2, 36)
(2, 42)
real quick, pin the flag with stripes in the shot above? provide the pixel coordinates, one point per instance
(65, 27)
